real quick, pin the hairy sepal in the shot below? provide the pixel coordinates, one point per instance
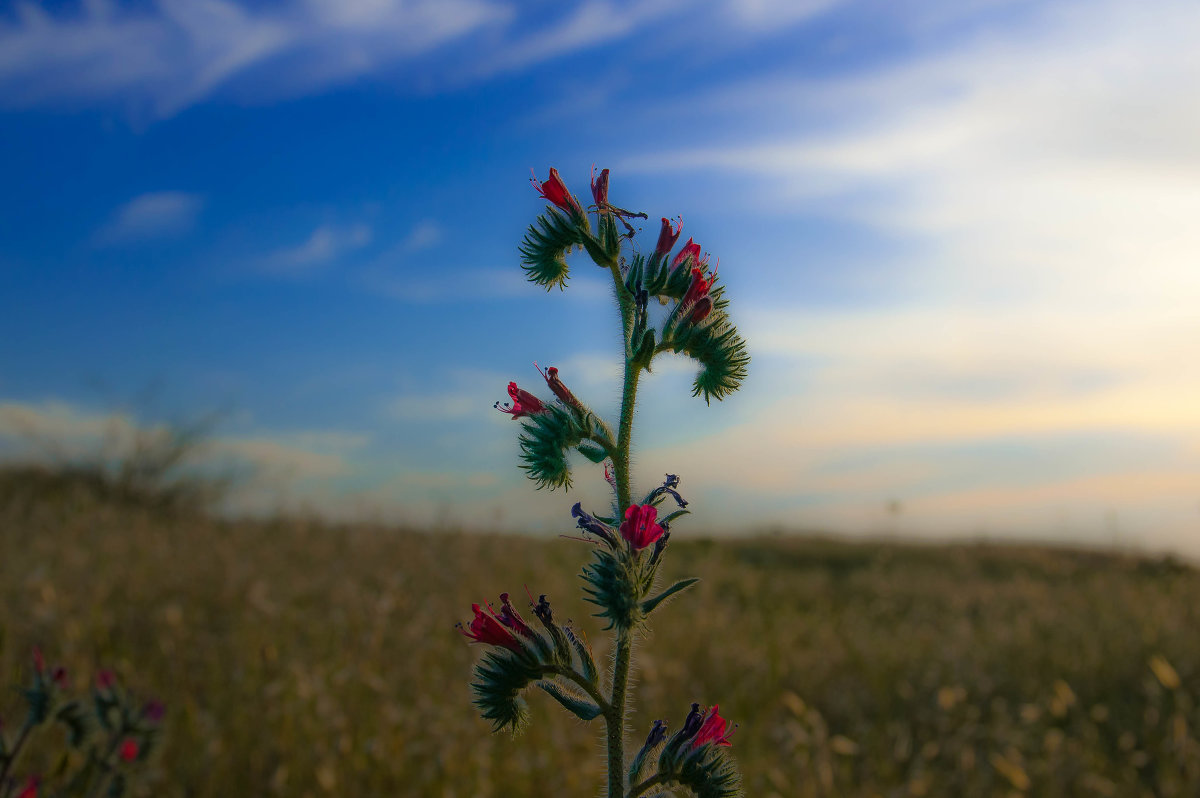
(616, 582)
(708, 771)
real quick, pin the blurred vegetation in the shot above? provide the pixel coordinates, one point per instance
(298, 658)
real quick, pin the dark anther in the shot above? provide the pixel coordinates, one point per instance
(542, 609)
(693, 722)
(657, 734)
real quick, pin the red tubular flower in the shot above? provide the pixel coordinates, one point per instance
(32, 787)
(690, 248)
(509, 617)
(600, 188)
(639, 527)
(486, 629)
(105, 679)
(129, 750)
(713, 731)
(555, 190)
(668, 236)
(523, 403)
(698, 289)
(556, 385)
(39, 661)
(700, 310)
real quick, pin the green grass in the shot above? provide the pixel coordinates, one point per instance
(302, 659)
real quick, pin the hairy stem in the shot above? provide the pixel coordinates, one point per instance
(653, 781)
(15, 750)
(616, 716)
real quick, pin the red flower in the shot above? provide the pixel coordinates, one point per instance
(689, 249)
(556, 385)
(32, 786)
(600, 188)
(698, 289)
(59, 676)
(700, 310)
(486, 629)
(105, 679)
(556, 191)
(39, 661)
(713, 731)
(523, 403)
(129, 750)
(668, 236)
(639, 527)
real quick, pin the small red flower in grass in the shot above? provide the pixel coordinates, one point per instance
(486, 629)
(639, 527)
(523, 403)
(39, 661)
(32, 787)
(105, 680)
(555, 190)
(668, 236)
(129, 750)
(713, 730)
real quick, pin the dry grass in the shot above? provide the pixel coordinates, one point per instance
(301, 659)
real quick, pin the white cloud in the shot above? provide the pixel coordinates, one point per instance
(1041, 178)
(158, 214)
(326, 243)
(424, 235)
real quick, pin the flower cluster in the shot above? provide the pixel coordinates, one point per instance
(115, 733)
(630, 538)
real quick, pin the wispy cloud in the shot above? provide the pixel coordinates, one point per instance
(173, 53)
(159, 214)
(324, 245)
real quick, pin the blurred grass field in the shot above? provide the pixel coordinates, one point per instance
(298, 658)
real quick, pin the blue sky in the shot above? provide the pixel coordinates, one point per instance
(959, 238)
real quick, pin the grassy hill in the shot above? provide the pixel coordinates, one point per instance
(303, 659)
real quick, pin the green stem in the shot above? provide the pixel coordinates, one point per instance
(616, 716)
(653, 781)
(14, 751)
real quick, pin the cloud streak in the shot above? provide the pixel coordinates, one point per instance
(159, 214)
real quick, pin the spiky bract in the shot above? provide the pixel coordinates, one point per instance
(545, 247)
(546, 437)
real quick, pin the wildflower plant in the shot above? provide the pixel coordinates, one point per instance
(628, 538)
(109, 737)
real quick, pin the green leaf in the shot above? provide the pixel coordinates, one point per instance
(672, 516)
(583, 708)
(592, 452)
(545, 247)
(649, 605)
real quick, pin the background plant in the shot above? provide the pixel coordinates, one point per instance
(664, 304)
